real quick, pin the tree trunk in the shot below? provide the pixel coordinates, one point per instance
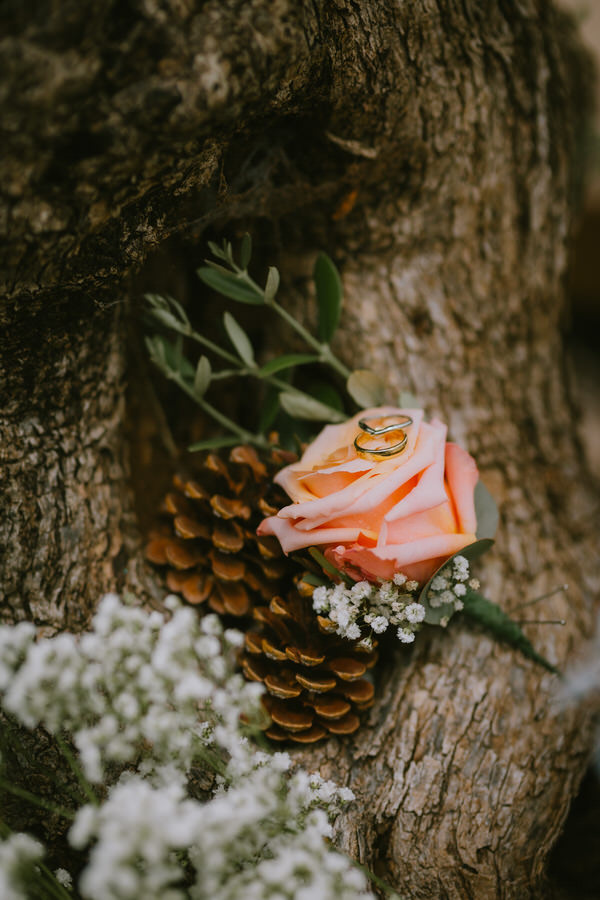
(131, 122)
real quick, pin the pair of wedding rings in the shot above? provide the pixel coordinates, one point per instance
(370, 432)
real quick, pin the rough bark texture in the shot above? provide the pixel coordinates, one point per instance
(126, 123)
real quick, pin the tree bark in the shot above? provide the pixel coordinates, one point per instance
(457, 125)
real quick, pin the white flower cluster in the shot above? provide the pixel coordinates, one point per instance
(375, 607)
(132, 692)
(450, 586)
(18, 853)
(261, 838)
(134, 682)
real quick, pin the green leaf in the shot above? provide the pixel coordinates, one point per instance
(156, 301)
(217, 251)
(239, 339)
(174, 304)
(328, 285)
(215, 443)
(406, 400)
(326, 393)
(268, 411)
(366, 388)
(202, 376)
(169, 320)
(174, 359)
(479, 609)
(156, 350)
(434, 614)
(229, 285)
(219, 268)
(315, 580)
(245, 251)
(328, 567)
(287, 362)
(272, 284)
(301, 406)
(486, 512)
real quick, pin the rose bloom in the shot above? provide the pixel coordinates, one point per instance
(378, 516)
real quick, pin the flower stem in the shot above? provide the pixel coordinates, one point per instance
(35, 800)
(77, 771)
(323, 350)
(245, 436)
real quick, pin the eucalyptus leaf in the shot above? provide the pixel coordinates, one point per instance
(169, 320)
(434, 614)
(484, 612)
(156, 301)
(239, 339)
(215, 443)
(366, 388)
(406, 400)
(202, 376)
(245, 251)
(486, 512)
(328, 286)
(174, 358)
(156, 350)
(217, 251)
(287, 362)
(301, 406)
(229, 285)
(272, 284)
(219, 268)
(326, 393)
(268, 410)
(179, 310)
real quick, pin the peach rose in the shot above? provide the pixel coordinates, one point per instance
(404, 513)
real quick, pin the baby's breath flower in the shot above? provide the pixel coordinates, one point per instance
(64, 878)
(415, 613)
(19, 854)
(379, 624)
(365, 605)
(131, 693)
(406, 636)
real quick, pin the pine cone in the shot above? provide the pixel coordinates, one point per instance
(208, 540)
(314, 678)
(214, 558)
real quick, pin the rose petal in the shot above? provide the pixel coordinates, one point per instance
(383, 487)
(384, 561)
(430, 490)
(462, 476)
(291, 539)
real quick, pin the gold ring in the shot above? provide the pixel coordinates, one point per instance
(387, 451)
(363, 424)
(367, 429)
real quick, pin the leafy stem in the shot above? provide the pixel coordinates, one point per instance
(77, 770)
(227, 423)
(23, 794)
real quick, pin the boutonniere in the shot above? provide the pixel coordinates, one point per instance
(322, 543)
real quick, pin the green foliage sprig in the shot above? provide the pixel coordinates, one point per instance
(232, 280)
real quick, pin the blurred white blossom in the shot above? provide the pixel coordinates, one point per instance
(157, 697)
